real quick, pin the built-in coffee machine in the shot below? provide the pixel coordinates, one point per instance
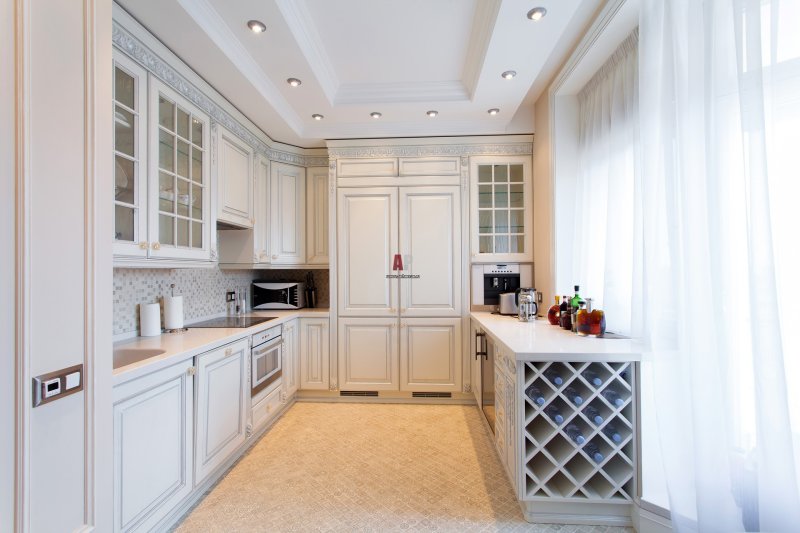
(490, 281)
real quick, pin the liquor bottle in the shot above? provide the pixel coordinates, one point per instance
(575, 305)
(554, 314)
(593, 451)
(573, 395)
(613, 397)
(553, 376)
(535, 394)
(592, 377)
(593, 414)
(611, 433)
(574, 432)
(581, 326)
(552, 411)
(565, 320)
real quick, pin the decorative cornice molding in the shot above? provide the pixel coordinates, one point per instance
(157, 66)
(462, 150)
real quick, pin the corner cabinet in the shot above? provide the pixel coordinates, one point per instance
(317, 215)
(501, 209)
(287, 214)
(235, 161)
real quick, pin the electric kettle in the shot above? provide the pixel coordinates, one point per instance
(508, 303)
(528, 308)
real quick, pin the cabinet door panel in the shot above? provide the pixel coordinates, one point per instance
(288, 213)
(317, 215)
(152, 446)
(221, 399)
(234, 180)
(430, 355)
(367, 230)
(314, 354)
(430, 240)
(290, 357)
(368, 354)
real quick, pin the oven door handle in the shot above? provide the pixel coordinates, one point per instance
(258, 351)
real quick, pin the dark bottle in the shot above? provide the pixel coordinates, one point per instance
(535, 394)
(554, 314)
(565, 319)
(573, 396)
(552, 411)
(553, 376)
(593, 451)
(611, 433)
(574, 307)
(592, 377)
(593, 414)
(574, 432)
(613, 397)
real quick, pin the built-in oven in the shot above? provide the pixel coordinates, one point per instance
(266, 359)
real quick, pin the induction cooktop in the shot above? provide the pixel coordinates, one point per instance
(232, 322)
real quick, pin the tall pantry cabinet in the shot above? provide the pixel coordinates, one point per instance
(399, 326)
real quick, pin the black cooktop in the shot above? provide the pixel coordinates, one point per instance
(231, 322)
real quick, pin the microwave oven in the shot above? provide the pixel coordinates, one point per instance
(278, 295)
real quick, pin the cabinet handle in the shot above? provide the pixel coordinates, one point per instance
(274, 256)
(228, 352)
(143, 245)
(191, 371)
(156, 246)
(392, 309)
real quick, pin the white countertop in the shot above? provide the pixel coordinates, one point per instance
(180, 346)
(541, 341)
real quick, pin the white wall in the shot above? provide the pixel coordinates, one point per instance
(6, 265)
(543, 204)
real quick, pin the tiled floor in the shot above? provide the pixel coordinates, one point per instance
(368, 467)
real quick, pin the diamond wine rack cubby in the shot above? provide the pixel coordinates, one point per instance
(579, 431)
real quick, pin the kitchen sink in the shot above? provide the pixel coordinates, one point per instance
(128, 356)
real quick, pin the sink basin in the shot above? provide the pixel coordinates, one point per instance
(128, 356)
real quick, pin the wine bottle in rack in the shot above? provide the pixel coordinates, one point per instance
(553, 376)
(613, 397)
(612, 433)
(573, 395)
(554, 414)
(594, 452)
(592, 377)
(535, 394)
(593, 414)
(624, 375)
(574, 432)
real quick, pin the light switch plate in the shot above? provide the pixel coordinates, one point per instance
(73, 380)
(55, 385)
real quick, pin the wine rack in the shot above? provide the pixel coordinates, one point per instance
(555, 466)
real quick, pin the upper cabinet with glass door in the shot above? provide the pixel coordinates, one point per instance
(130, 158)
(501, 214)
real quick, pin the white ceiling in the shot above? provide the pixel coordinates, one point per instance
(401, 58)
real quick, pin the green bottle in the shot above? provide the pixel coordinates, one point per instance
(575, 305)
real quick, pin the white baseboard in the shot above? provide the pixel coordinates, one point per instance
(645, 521)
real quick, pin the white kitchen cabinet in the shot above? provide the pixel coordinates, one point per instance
(430, 354)
(222, 399)
(368, 354)
(367, 239)
(250, 246)
(430, 244)
(266, 408)
(235, 187)
(314, 354)
(430, 166)
(367, 167)
(317, 215)
(501, 209)
(287, 214)
(153, 446)
(291, 357)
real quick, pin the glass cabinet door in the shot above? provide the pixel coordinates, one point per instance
(130, 157)
(501, 209)
(179, 177)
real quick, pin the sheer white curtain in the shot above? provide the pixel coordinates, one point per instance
(604, 213)
(720, 182)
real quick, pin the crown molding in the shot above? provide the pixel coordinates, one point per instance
(126, 42)
(461, 150)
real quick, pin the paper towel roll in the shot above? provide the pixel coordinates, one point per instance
(173, 312)
(149, 320)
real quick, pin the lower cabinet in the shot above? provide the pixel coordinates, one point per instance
(266, 408)
(153, 446)
(291, 359)
(505, 431)
(314, 353)
(222, 394)
(368, 354)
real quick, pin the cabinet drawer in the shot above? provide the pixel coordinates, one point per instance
(264, 410)
(430, 166)
(360, 168)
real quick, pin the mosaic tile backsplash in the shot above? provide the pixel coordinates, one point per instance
(203, 290)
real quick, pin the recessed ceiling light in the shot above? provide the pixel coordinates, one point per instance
(375, 114)
(537, 13)
(493, 111)
(256, 26)
(317, 116)
(432, 113)
(509, 74)
(294, 82)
